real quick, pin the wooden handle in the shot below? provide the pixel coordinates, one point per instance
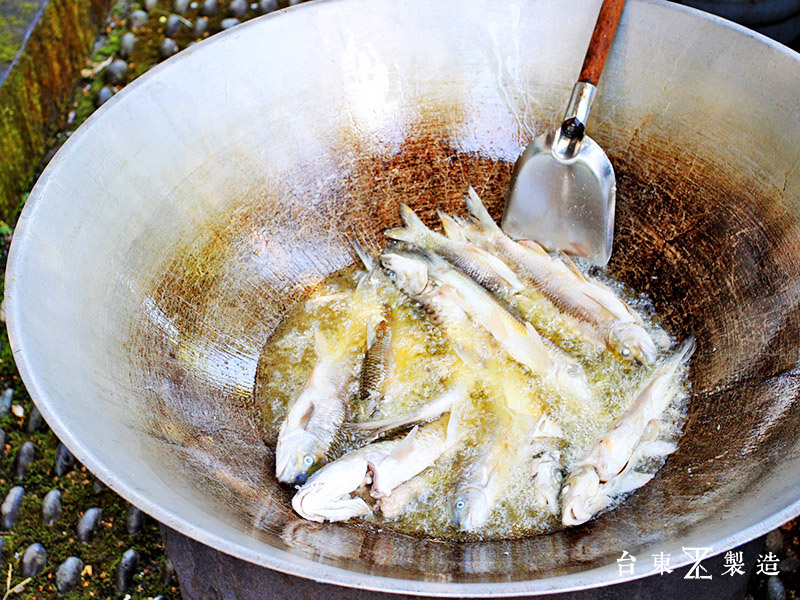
(602, 36)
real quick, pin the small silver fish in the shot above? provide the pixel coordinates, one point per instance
(430, 280)
(452, 397)
(376, 368)
(315, 416)
(480, 265)
(608, 469)
(603, 315)
(418, 450)
(328, 495)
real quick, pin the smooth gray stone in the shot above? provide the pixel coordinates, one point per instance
(87, 526)
(34, 560)
(126, 570)
(200, 26)
(5, 401)
(25, 456)
(134, 520)
(68, 575)
(2, 440)
(775, 541)
(115, 72)
(150, 4)
(51, 507)
(180, 6)
(64, 461)
(127, 44)
(267, 6)
(789, 564)
(168, 48)
(237, 8)
(9, 510)
(174, 25)
(209, 8)
(137, 19)
(775, 589)
(35, 420)
(228, 23)
(167, 572)
(103, 96)
(98, 486)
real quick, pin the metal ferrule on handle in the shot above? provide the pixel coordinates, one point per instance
(569, 136)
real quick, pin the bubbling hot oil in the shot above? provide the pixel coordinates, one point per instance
(425, 364)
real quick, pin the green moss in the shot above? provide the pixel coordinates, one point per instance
(35, 94)
(60, 541)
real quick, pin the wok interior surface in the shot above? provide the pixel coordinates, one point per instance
(145, 285)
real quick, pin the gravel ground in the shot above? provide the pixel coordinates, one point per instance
(89, 542)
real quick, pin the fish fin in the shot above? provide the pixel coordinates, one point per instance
(404, 448)
(537, 347)
(656, 449)
(478, 210)
(322, 344)
(545, 427)
(468, 356)
(452, 229)
(451, 293)
(498, 267)
(319, 300)
(497, 324)
(401, 234)
(574, 268)
(370, 334)
(533, 245)
(454, 423)
(633, 480)
(307, 415)
(685, 352)
(427, 412)
(366, 258)
(412, 222)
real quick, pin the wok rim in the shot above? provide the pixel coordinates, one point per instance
(272, 557)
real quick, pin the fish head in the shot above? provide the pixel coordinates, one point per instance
(632, 342)
(297, 456)
(410, 273)
(470, 508)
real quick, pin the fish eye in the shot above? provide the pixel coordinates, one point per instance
(460, 505)
(308, 460)
(625, 352)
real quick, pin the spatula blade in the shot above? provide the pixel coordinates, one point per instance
(564, 205)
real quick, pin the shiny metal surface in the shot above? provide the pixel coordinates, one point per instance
(164, 241)
(563, 194)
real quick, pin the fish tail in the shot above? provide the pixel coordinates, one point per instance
(452, 228)
(687, 349)
(478, 210)
(414, 231)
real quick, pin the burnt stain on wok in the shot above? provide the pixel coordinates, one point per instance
(717, 254)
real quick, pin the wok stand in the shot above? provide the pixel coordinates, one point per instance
(206, 574)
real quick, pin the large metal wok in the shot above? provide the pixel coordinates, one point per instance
(168, 236)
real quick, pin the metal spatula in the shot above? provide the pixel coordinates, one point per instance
(563, 188)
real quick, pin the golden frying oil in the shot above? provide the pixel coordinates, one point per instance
(503, 395)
